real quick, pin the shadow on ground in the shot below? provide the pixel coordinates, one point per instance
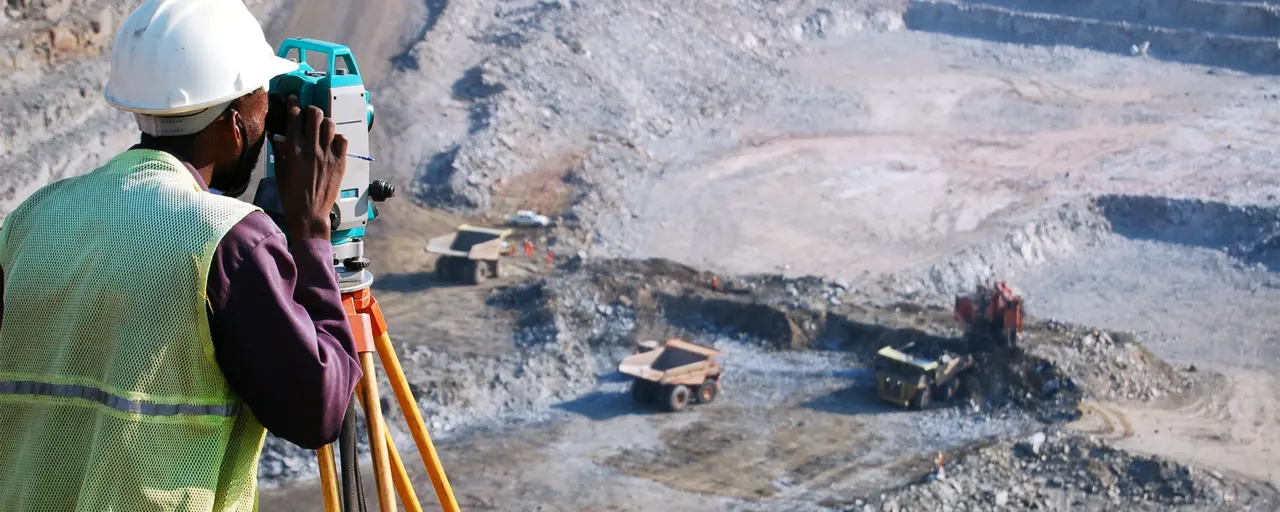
(857, 399)
(601, 406)
(410, 282)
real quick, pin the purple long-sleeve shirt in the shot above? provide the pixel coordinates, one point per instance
(280, 334)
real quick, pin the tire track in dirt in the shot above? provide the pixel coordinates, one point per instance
(1233, 426)
(1103, 421)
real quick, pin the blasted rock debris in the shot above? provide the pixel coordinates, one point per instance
(1057, 470)
(1114, 366)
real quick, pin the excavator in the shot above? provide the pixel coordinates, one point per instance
(991, 317)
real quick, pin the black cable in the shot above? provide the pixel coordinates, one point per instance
(352, 487)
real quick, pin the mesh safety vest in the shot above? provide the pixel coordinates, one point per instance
(110, 397)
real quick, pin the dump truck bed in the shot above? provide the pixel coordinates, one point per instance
(470, 242)
(908, 355)
(675, 362)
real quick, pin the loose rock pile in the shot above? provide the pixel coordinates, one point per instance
(1113, 366)
(1061, 471)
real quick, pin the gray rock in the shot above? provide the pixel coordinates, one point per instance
(1036, 441)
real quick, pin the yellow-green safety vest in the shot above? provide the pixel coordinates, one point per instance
(110, 397)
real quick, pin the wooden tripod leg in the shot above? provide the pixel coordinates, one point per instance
(363, 306)
(400, 386)
(400, 475)
(377, 430)
(328, 478)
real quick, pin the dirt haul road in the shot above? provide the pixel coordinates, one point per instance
(1233, 427)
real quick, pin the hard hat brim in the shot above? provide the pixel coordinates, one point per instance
(272, 67)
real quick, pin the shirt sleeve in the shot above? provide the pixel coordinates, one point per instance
(280, 333)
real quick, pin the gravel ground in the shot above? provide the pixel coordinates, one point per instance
(1057, 470)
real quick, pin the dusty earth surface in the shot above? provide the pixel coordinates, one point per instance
(844, 168)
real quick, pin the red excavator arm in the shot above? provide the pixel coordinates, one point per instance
(964, 312)
(993, 312)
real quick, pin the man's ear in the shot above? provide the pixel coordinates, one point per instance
(234, 130)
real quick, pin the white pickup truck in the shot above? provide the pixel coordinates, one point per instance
(528, 218)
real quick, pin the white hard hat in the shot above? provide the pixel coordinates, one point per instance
(176, 64)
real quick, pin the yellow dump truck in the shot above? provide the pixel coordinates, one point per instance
(913, 374)
(673, 374)
(470, 254)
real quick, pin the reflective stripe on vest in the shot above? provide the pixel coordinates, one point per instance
(92, 394)
(110, 395)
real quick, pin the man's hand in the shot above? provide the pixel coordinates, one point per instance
(309, 168)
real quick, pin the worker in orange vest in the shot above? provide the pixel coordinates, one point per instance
(550, 258)
(528, 248)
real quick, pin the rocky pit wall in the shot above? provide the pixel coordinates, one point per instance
(1233, 35)
(1018, 245)
(1015, 246)
(53, 120)
(581, 89)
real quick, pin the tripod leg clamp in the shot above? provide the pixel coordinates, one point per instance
(362, 332)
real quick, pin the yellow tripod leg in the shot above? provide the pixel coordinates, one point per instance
(377, 430)
(328, 479)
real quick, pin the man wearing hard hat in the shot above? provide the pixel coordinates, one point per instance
(151, 329)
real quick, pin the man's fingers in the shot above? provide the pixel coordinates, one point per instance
(327, 128)
(340, 148)
(314, 117)
(294, 128)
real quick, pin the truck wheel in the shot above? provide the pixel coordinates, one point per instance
(677, 398)
(473, 271)
(921, 400)
(950, 390)
(973, 387)
(708, 390)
